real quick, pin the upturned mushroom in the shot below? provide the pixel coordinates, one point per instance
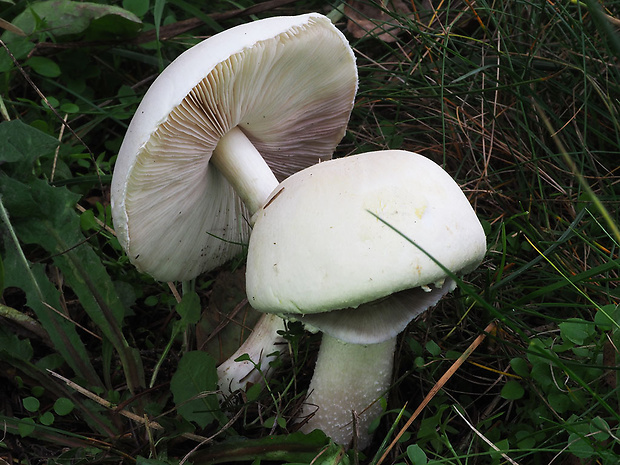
(214, 133)
(321, 253)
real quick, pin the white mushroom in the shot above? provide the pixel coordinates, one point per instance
(318, 255)
(215, 132)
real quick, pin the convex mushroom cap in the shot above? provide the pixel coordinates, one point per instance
(280, 88)
(321, 241)
(328, 249)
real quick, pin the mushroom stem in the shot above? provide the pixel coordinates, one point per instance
(262, 346)
(348, 380)
(245, 169)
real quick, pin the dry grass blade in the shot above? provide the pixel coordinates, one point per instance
(484, 438)
(442, 381)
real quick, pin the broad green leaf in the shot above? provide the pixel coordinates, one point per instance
(23, 143)
(26, 427)
(65, 18)
(433, 348)
(44, 299)
(576, 330)
(70, 108)
(196, 375)
(416, 455)
(520, 367)
(608, 317)
(31, 404)
(52, 223)
(44, 66)
(47, 418)
(63, 406)
(599, 429)
(512, 390)
(71, 20)
(580, 446)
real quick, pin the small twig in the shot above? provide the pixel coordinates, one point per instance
(210, 438)
(62, 315)
(62, 131)
(484, 438)
(174, 291)
(109, 405)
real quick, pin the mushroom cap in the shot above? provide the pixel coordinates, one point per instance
(287, 82)
(316, 247)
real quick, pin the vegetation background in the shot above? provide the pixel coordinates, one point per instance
(518, 100)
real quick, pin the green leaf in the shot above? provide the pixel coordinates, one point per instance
(23, 143)
(46, 419)
(580, 446)
(433, 348)
(189, 308)
(43, 297)
(608, 317)
(196, 375)
(512, 390)
(44, 66)
(70, 108)
(26, 427)
(416, 455)
(63, 406)
(46, 216)
(73, 20)
(88, 221)
(253, 392)
(576, 330)
(599, 429)
(31, 404)
(37, 391)
(137, 7)
(520, 367)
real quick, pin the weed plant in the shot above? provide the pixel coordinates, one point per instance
(519, 101)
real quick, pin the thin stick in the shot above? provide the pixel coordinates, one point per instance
(442, 381)
(484, 438)
(109, 405)
(62, 131)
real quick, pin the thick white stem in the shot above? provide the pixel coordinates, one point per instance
(348, 380)
(262, 346)
(244, 168)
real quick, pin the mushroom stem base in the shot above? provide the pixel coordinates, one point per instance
(263, 346)
(347, 383)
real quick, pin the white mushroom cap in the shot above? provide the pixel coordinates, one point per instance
(333, 253)
(288, 83)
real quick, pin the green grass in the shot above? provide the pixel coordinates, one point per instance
(519, 101)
